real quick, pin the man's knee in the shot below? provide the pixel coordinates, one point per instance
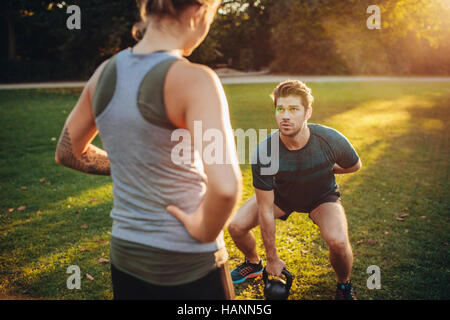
(236, 229)
(338, 243)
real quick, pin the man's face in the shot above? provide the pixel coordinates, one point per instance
(291, 115)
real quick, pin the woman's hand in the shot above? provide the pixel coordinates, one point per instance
(193, 94)
(193, 222)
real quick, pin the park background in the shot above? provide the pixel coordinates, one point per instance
(398, 205)
(288, 36)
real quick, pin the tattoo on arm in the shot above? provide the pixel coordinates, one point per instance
(93, 161)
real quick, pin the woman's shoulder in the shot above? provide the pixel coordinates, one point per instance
(192, 81)
(189, 72)
(192, 88)
(91, 84)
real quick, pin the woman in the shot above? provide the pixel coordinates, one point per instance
(167, 240)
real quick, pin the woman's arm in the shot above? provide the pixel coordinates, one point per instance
(194, 93)
(74, 149)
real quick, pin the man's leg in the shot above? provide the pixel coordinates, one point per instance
(331, 219)
(240, 228)
(245, 219)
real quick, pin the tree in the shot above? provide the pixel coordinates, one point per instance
(301, 41)
(307, 36)
(325, 36)
(240, 36)
(8, 13)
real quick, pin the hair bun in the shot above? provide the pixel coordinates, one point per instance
(160, 8)
(165, 7)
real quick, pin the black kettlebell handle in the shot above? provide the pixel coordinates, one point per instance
(285, 272)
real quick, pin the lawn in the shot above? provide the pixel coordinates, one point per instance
(52, 217)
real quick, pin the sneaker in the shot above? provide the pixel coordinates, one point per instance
(345, 291)
(246, 271)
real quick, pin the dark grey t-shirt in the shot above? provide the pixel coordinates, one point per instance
(306, 175)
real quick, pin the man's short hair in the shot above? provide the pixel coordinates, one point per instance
(293, 88)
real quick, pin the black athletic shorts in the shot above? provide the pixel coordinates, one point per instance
(334, 196)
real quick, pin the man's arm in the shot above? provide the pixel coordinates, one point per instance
(265, 203)
(345, 156)
(339, 170)
(74, 149)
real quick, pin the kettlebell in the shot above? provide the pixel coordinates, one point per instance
(276, 289)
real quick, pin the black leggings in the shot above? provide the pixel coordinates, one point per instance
(216, 285)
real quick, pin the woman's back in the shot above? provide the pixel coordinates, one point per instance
(167, 238)
(136, 133)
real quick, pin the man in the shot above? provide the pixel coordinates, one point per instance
(309, 156)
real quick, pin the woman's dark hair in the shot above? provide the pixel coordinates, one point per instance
(161, 8)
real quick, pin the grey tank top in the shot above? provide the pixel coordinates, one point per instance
(136, 133)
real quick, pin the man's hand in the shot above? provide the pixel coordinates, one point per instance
(275, 266)
(337, 169)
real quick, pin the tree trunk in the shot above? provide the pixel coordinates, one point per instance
(9, 15)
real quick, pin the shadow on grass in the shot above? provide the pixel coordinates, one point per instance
(55, 207)
(405, 173)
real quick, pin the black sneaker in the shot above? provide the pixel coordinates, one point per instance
(246, 271)
(345, 291)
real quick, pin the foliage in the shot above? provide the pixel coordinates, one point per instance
(73, 54)
(326, 36)
(307, 37)
(301, 42)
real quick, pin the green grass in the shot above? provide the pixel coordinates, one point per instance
(400, 130)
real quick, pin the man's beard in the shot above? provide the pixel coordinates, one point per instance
(293, 133)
